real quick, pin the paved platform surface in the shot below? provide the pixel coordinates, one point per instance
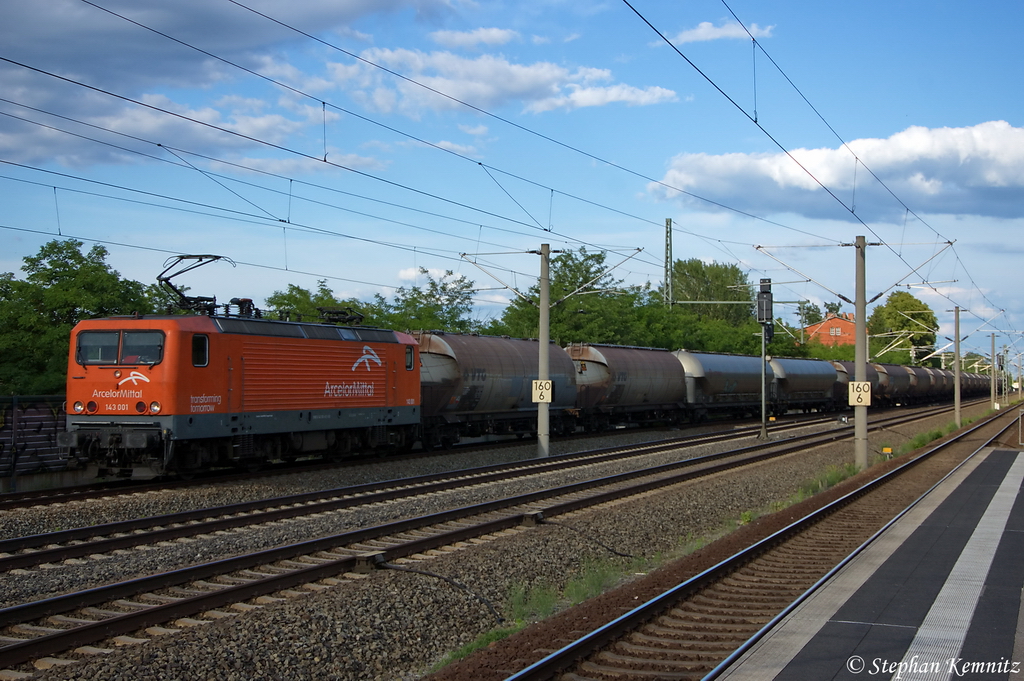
(936, 597)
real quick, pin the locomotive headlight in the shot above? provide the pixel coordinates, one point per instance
(154, 407)
(140, 407)
(91, 407)
(79, 407)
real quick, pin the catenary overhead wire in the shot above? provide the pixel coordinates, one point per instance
(213, 159)
(843, 141)
(739, 108)
(817, 113)
(767, 134)
(297, 152)
(267, 143)
(325, 104)
(233, 214)
(440, 93)
(772, 138)
(593, 157)
(256, 140)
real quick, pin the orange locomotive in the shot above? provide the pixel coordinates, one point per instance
(184, 393)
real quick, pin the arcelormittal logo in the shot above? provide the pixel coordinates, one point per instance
(368, 356)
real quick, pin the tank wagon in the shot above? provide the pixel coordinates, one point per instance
(895, 384)
(483, 385)
(805, 384)
(726, 384)
(616, 385)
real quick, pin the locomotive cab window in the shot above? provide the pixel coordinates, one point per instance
(408, 358)
(117, 347)
(142, 347)
(200, 350)
(97, 347)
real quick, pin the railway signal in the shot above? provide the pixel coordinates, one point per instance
(764, 302)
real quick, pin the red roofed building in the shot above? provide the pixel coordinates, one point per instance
(834, 330)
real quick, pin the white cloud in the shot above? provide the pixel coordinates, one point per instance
(413, 273)
(301, 166)
(490, 82)
(476, 130)
(463, 149)
(480, 36)
(731, 30)
(580, 97)
(99, 49)
(977, 170)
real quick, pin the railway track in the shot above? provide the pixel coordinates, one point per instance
(55, 547)
(101, 490)
(696, 629)
(151, 606)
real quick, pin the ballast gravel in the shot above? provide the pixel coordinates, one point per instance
(394, 624)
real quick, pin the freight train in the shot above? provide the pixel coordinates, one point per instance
(180, 394)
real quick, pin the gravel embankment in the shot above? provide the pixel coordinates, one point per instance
(393, 625)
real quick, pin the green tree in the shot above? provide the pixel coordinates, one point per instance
(695, 279)
(808, 313)
(62, 286)
(298, 304)
(587, 304)
(162, 300)
(906, 320)
(444, 304)
(833, 308)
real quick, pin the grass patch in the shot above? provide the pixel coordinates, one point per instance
(597, 575)
(832, 476)
(482, 641)
(532, 605)
(526, 605)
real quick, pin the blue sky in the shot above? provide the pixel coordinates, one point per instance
(359, 140)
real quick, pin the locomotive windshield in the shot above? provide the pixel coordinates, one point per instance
(120, 347)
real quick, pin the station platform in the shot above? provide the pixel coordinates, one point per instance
(937, 596)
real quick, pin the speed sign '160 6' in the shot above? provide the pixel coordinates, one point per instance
(543, 391)
(860, 393)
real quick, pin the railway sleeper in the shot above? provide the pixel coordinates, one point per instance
(647, 639)
(715, 597)
(714, 609)
(67, 619)
(159, 599)
(767, 568)
(744, 583)
(678, 654)
(631, 669)
(722, 626)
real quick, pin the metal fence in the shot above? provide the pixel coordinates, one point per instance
(28, 434)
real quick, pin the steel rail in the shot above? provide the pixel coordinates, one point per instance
(189, 523)
(558, 661)
(40, 646)
(13, 500)
(249, 513)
